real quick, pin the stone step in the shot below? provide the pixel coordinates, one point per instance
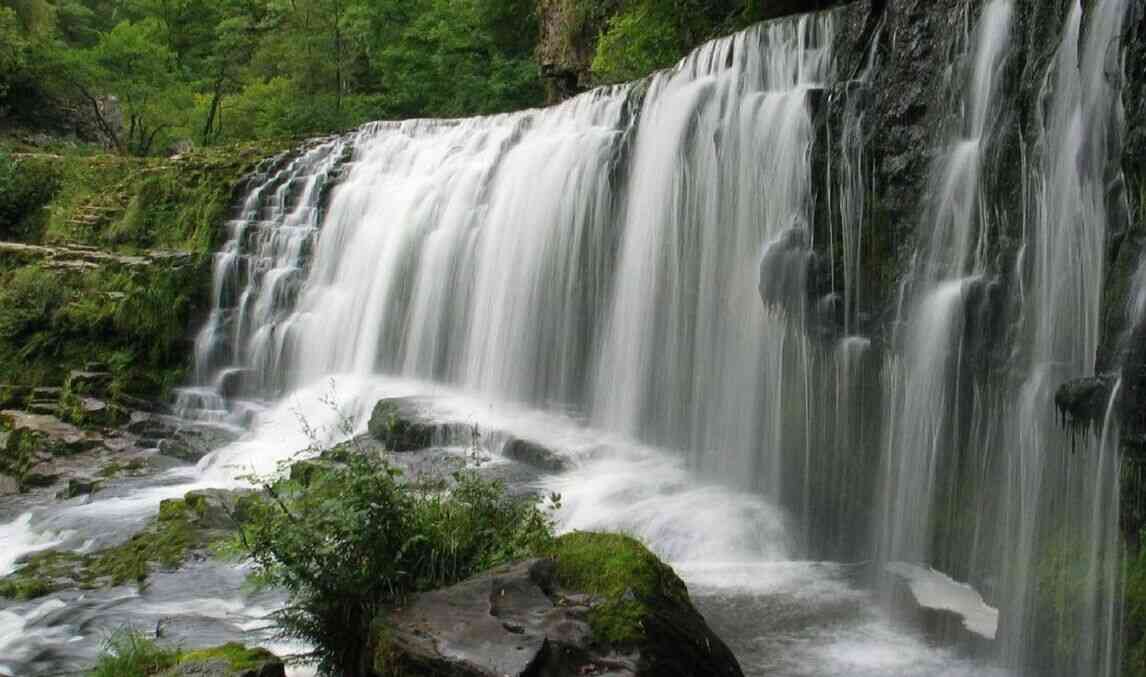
(45, 408)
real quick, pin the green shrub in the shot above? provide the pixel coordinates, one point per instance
(29, 302)
(127, 653)
(359, 538)
(26, 187)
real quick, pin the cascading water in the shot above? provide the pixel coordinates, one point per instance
(1063, 257)
(921, 400)
(257, 275)
(964, 440)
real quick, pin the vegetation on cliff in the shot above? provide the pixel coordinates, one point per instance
(106, 259)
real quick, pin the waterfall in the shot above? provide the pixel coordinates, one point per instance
(649, 260)
(1064, 500)
(921, 383)
(602, 256)
(980, 479)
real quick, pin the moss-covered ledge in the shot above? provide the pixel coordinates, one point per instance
(110, 262)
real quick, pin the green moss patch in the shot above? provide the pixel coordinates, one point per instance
(134, 319)
(238, 656)
(42, 574)
(131, 203)
(178, 530)
(621, 571)
(113, 263)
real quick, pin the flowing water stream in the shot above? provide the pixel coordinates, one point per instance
(625, 278)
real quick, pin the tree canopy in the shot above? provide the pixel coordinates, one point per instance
(156, 72)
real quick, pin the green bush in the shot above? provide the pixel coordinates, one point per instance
(25, 188)
(358, 537)
(30, 300)
(127, 653)
(638, 41)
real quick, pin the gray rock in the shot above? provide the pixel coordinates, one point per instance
(399, 425)
(218, 508)
(514, 620)
(88, 382)
(191, 443)
(534, 454)
(489, 626)
(81, 486)
(9, 485)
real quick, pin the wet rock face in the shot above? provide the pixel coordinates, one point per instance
(515, 620)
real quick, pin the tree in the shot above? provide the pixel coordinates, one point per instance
(131, 64)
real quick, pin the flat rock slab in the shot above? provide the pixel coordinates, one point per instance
(489, 626)
(55, 433)
(503, 623)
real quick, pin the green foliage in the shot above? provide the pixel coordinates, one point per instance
(637, 42)
(164, 544)
(358, 538)
(30, 300)
(646, 35)
(25, 189)
(623, 572)
(13, 50)
(1134, 652)
(53, 320)
(208, 72)
(126, 653)
(239, 657)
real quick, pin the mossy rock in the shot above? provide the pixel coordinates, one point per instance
(623, 573)
(599, 603)
(229, 660)
(399, 429)
(197, 522)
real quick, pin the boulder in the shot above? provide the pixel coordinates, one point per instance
(191, 443)
(81, 486)
(1083, 401)
(219, 509)
(521, 619)
(397, 424)
(47, 433)
(534, 454)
